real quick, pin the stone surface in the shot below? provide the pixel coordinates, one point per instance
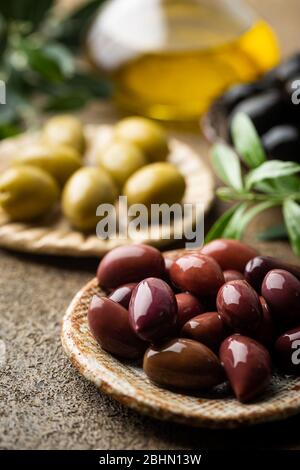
(44, 403)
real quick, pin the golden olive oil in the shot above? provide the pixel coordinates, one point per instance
(170, 58)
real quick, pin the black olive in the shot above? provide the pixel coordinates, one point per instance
(282, 143)
(279, 75)
(265, 109)
(238, 93)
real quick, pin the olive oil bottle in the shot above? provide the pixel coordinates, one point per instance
(169, 58)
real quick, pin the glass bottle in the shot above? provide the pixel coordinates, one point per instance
(169, 59)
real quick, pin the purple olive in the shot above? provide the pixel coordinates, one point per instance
(229, 254)
(257, 268)
(287, 351)
(281, 290)
(239, 307)
(248, 366)
(131, 263)
(184, 364)
(232, 275)
(122, 294)
(153, 310)
(109, 324)
(198, 274)
(188, 307)
(265, 332)
(208, 329)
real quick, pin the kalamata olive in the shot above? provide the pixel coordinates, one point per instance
(282, 142)
(230, 254)
(265, 332)
(131, 263)
(264, 109)
(232, 275)
(122, 294)
(247, 365)
(188, 307)
(281, 290)
(257, 268)
(239, 307)
(208, 329)
(183, 363)
(109, 324)
(153, 310)
(197, 273)
(287, 351)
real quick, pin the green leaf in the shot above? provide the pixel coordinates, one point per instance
(73, 27)
(269, 170)
(291, 214)
(227, 166)
(243, 217)
(219, 226)
(282, 186)
(49, 62)
(233, 227)
(247, 141)
(276, 232)
(62, 56)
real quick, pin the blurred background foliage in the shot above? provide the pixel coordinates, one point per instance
(40, 61)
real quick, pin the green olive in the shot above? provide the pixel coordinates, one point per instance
(64, 130)
(157, 183)
(27, 192)
(121, 159)
(149, 136)
(84, 192)
(59, 160)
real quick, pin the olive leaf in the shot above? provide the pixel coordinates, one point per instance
(243, 217)
(219, 226)
(247, 141)
(291, 214)
(271, 170)
(227, 166)
(276, 232)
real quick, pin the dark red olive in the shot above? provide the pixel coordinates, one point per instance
(232, 275)
(229, 254)
(168, 264)
(184, 364)
(282, 142)
(122, 295)
(239, 307)
(131, 263)
(109, 324)
(247, 365)
(198, 274)
(188, 307)
(287, 351)
(153, 310)
(265, 332)
(281, 290)
(208, 329)
(257, 268)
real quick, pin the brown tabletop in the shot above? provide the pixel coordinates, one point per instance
(44, 403)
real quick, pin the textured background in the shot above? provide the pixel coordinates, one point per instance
(44, 403)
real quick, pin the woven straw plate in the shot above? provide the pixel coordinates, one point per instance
(127, 383)
(55, 236)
